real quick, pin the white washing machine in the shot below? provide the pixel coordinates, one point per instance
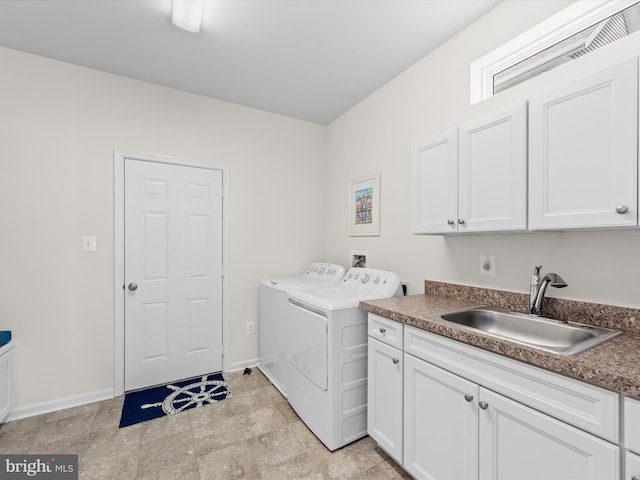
(327, 354)
(273, 311)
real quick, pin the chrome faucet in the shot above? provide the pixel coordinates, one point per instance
(539, 287)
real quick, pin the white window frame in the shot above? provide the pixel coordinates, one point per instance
(571, 20)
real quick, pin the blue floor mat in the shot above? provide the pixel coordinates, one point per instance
(142, 405)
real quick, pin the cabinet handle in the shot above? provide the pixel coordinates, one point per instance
(622, 209)
(468, 397)
(483, 405)
(382, 330)
(450, 222)
(461, 221)
(396, 361)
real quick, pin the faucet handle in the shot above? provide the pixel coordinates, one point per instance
(536, 270)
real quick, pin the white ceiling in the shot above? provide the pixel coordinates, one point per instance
(308, 59)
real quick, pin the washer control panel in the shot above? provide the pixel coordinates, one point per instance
(328, 272)
(375, 282)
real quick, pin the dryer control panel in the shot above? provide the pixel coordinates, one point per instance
(328, 272)
(378, 283)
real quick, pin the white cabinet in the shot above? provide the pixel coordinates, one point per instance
(474, 178)
(440, 423)
(435, 184)
(6, 362)
(384, 387)
(632, 466)
(632, 438)
(474, 414)
(492, 171)
(455, 429)
(517, 442)
(384, 392)
(583, 152)
(632, 424)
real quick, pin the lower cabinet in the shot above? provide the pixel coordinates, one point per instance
(448, 411)
(384, 412)
(632, 438)
(632, 466)
(455, 429)
(440, 423)
(517, 442)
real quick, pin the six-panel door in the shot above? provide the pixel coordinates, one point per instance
(173, 272)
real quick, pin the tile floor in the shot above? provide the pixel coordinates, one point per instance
(253, 435)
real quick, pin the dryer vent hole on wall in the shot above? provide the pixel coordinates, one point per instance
(359, 261)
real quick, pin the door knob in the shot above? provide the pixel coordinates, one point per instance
(133, 287)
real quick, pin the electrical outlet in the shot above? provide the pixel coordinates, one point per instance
(487, 265)
(251, 328)
(88, 243)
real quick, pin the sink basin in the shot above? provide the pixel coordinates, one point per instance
(563, 338)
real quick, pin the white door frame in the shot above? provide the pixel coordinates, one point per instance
(118, 244)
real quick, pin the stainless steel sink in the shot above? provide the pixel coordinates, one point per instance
(563, 338)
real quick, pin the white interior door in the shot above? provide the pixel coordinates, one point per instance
(173, 272)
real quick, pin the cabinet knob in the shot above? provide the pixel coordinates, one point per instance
(133, 287)
(622, 209)
(450, 222)
(468, 397)
(396, 361)
(483, 405)
(382, 330)
(461, 221)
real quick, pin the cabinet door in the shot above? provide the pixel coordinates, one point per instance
(384, 390)
(582, 152)
(440, 424)
(632, 425)
(435, 183)
(519, 443)
(492, 171)
(632, 466)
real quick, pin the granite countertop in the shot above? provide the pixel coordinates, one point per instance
(614, 365)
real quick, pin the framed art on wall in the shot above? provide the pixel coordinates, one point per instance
(364, 207)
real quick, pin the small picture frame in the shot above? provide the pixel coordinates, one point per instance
(364, 207)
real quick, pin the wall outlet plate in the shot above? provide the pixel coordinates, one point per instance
(487, 264)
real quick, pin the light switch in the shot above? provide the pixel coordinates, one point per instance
(88, 243)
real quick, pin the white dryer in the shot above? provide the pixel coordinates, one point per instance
(273, 311)
(327, 354)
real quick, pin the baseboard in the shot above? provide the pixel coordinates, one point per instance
(59, 404)
(251, 363)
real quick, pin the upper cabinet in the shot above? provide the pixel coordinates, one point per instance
(492, 171)
(435, 183)
(473, 178)
(583, 152)
(581, 170)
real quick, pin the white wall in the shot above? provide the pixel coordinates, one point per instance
(376, 135)
(59, 125)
